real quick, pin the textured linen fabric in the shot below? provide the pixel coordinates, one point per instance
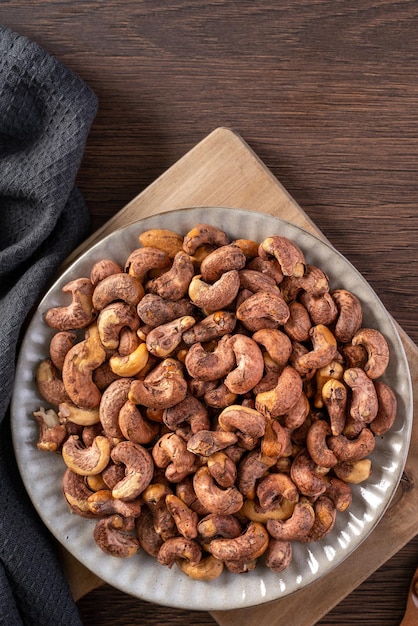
(46, 113)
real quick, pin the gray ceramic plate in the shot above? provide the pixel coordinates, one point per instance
(140, 575)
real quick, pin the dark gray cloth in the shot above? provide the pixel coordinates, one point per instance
(46, 112)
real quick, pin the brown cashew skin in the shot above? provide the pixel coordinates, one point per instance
(208, 442)
(202, 234)
(248, 546)
(303, 472)
(149, 540)
(321, 309)
(104, 268)
(185, 519)
(314, 281)
(325, 516)
(289, 255)
(364, 404)
(113, 399)
(283, 397)
(134, 426)
(213, 326)
(324, 348)
(225, 501)
(278, 555)
(208, 568)
(154, 310)
(142, 260)
(387, 407)
(162, 238)
(316, 443)
(154, 497)
(80, 313)
(242, 419)
(162, 340)
(254, 281)
(49, 385)
(252, 467)
(377, 351)
(139, 469)
(51, 433)
(219, 295)
(274, 487)
(263, 309)
(222, 468)
(117, 287)
(162, 388)
(214, 365)
(297, 526)
(176, 548)
(334, 396)
(276, 343)
(174, 283)
(221, 260)
(249, 364)
(299, 323)
(170, 453)
(59, 345)
(79, 364)
(352, 449)
(112, 319)
(76, 493)
(110, 534)
(350, 315)
(190, 412)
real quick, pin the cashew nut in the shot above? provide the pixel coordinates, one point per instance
(350, 314)
(316, 443)
(214, 498)
(51, 431)
(263, 309)
(80, 313)
(154, 310)
(162, 388)
(278, 555)
(220, 261)
(387, 407)
(324, 348)
(86, 461)
(117, 287)
(276, 343)
(283, 397)
(142, 260)
(50, 386)
(212, 326)
(248, 546)
(377, 351)
(139, 469)
(112, 536)
(289, 255)
(214, 365)
(164, 339)
(204, 234)
(212, 297)
(174, 283)
(364, 402)
(297, 526)
(162, 238)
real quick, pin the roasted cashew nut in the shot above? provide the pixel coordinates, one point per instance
(316, 443)
(143, 260)
(112, 318)
(134, 426)
(176, 548)
(185, 519)
(162, 340)
(208, 442)
(139, 469)
(283, 397)
(278, 555)
(364, 403)
(208, 568)
(204, 234)
(305, 475)
(354, 472)
(377, 351)
(51, 431)
(352, 449)
(76, 493)
(214, 498)
(297, 526)
(212, 297)
(334, 395)
(324, 348)
(321, 309)
(214, 365)
(274, 487)
(248, 546)
(113, 399)
(154, 310)
(103, 503)
(289, 255)
(276, 343)
(59, 345)
(130, 364)
(174, 283)
(254, 281)
(104, 268)
(299, 323)
(162, 388)
(212, 327)
(80, 313)
(163, 522)
(190, 413)
(325, 516)
(264, 309)
(350, 314)
(171, 453)
(50, 386)
(249, 364)
(149, 540)
(242, 420)
(83, 460)
(386, 413)
(163, 239)
(117, 287)
(112, 535)
(221, 260)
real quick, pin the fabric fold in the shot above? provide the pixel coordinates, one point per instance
(46, 112)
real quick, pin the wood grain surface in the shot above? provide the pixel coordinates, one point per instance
(325, 93)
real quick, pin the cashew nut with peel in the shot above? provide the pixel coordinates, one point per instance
(80, 313)
(221, 260)
(283, 397)
(185, 519)
(208, 442)
(142, 260)
(297, 526)
(324, 348)
(350, 314)
(214, 498)
(304, 473)
(162, 388)
(50, 386)
(134, 426)
(289, 255)
(86, 461)
(112, 535)
(189, 412)
(208, 568)
(202, 234)
(170, 453)
(207, 366)
(59, 345)
(212, 297)
(248, 546)
(352, 449)
(364, 403)
(263, 309)
(386, 413)
(176, 548)
(212, 326)
(76, 493)
(154, 310)
(51, 431)
(249, 364)
(278, 555)
(174, 283)
(139, 469)
(274, 487)
(377, 351)
(316, 443)
(162, 238)
(242, 419)
(163, 522)
(119, 286)
(276, 343)
(354, 472)
(103, 268)
(334, 395)
(112, 318)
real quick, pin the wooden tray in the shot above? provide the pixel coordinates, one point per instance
(223, 171)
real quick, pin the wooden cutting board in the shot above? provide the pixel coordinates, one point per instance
(222, 170)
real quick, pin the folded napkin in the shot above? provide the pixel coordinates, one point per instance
(45, 116)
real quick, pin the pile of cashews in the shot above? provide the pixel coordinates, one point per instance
(213, 400)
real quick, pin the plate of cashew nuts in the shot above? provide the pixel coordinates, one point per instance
(212, 408)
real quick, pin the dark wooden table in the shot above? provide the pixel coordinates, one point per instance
(324, 91)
